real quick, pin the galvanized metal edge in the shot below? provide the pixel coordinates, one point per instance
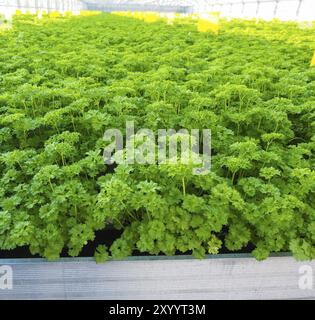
(137, 258)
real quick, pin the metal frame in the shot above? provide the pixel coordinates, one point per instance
(142, 258)
(180, 6)
(49, 5)
(227, 276)
(213, 3)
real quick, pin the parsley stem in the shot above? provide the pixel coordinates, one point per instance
(184, 186)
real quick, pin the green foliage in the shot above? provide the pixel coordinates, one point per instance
(101, 254)
(63, 82)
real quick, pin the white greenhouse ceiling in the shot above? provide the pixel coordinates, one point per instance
(301, 10)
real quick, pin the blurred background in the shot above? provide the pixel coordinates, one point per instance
(298, 10)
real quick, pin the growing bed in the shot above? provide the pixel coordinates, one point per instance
(64, 81)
